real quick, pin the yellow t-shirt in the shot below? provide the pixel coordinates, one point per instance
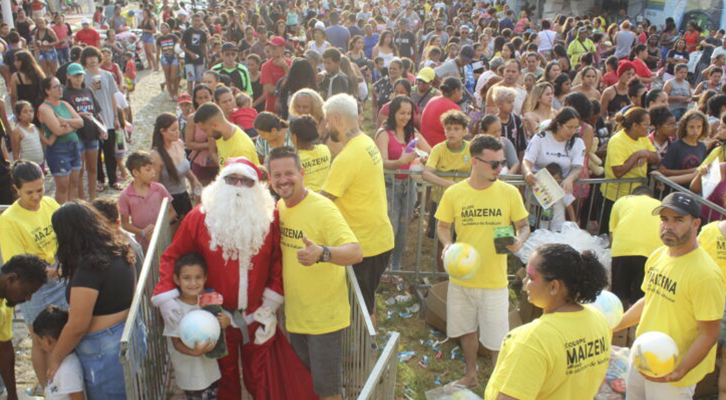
(29, 232)
(239, 145)
(620, 147)
(316, 297)
(475, 214)
(356, 179)
(678, 292)
(714, 243)
(443, 159)
(317, 166)
(558, 356)
(636, 231)
(719, 152)
(6, 322)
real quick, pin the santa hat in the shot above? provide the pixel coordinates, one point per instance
(242, 166)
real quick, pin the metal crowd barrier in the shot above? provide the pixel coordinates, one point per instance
(710, 210)
(426, 249)
(381, 383)
(146, 362)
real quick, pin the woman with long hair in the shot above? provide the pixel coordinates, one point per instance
(60, 122)
(686, 154)
(203, 166)
(147, 24)
(315, 158)
(171, 165)
(551, 71)
(25, 83)
(668, 38)
(386, 48)
(560, 138)
(562, 86)
(98, 264)
(45, 40)
(560, 281)
(677, 55)
(539, 107)
(273, 134)
(168, 59)
(560, 55)
(84, 102)
(20, 224)
(300, 76)
(395, 141)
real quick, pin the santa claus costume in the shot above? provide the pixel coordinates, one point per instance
(236, 230)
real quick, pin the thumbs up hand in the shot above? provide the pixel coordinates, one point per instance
(310, 254)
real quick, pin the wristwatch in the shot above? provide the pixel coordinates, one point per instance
(325, 256)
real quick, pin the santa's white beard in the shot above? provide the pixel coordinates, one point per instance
(238, 219)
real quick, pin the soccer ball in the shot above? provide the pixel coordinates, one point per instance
(461, 261)
(654, 354)
(198, 326)
(610, 306)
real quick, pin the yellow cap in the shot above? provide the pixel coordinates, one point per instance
(426, 74)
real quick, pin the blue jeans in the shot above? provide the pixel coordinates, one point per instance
(64, 55)
(99, 356)
(53, 292)
(62, 158)
(401, 196)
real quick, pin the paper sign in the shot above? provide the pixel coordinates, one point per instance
(711, 179)
(547, 191)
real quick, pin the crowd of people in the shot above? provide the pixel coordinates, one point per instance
(303, 132)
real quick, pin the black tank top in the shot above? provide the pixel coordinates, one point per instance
(617, 103)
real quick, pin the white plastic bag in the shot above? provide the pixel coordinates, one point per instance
(449, 393)
(572, 235)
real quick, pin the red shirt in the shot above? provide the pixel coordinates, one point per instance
(113, 69)
(610, 78)
(431, 127)
(90, 37)
(244, 118)
(130, 69)
(270, 74)
(61, 31)
(642, 70)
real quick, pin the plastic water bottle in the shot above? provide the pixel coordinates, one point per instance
(411, 145)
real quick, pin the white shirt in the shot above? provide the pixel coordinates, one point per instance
(67, 380)
(192, 373)
(480, 83)
(546, 40)
(541, 151)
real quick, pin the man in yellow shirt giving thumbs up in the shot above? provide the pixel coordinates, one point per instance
(316, 245)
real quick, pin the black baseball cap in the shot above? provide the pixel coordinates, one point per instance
(682, 203)
(229, 47)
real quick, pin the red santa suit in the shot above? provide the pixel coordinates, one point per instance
(272, 370)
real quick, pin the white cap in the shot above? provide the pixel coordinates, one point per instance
(320, 25)
(85, 21)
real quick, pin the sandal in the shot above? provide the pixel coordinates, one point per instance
(117, 186)
(100, 187)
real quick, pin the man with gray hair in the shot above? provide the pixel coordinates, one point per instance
(356, 185)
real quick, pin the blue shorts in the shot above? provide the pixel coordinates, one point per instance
(48, 55)
(169, 59)
(194, 72)
(53, 292)
(89, 145)
(147, 38)
(99, 353)
(62, 158)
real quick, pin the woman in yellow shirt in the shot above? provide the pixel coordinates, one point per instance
(563, 354)
(26, 229)
(315, 158)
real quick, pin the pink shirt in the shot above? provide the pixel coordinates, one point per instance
(142, 210)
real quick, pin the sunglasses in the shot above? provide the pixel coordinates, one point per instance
(494, 164)
(235, 181)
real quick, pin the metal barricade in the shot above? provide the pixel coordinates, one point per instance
(422, 242)
(381, 383)
(145, 361)
(710, 211)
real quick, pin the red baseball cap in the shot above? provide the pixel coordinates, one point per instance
(184, 98)
(277, 41)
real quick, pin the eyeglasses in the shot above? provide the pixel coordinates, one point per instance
(55, 87)
(494, 164)
(236, 181)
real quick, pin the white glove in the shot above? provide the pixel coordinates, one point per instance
(172, 313)
(268, 324)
